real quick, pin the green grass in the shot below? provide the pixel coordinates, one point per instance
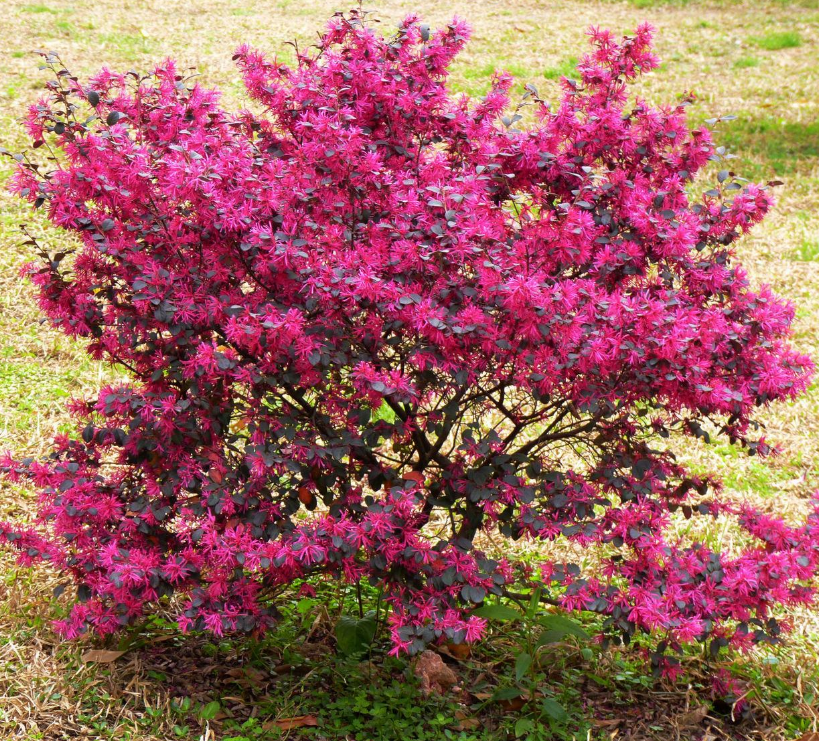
(29, 396)
(777, 40)
(746, 62)
(486, 71)
(567, 68)
(65, 27)
(758, 478)
(478, 78)
(38, 9)
(808, 251)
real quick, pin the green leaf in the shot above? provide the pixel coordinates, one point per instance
(550, 636)
(506, 693)
(209, 711)
(523, 726)
(554, 710)
(522, 664)
(497, 612)
(562, 624)
(534, 603)
(353, 635)
(305, 604)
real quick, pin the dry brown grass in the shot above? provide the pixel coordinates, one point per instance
(44, 690)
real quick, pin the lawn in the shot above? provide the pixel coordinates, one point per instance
(755, 61)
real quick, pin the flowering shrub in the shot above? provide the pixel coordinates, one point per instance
(376, 320)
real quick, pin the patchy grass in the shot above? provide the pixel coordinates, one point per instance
(643, 4)
(774, 145)
(777, 40)
(168, 686)
(128, 46)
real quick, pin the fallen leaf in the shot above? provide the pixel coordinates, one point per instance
(288, 724)
(100, 656)
(809, 736)
(305, 495)
(509, 706)
(466, 722)
(607, 722)
(460, 651)
(693, 717)
(247, 675)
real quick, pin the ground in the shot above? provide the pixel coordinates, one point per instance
(758, 61)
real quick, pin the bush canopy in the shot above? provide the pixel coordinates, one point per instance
(374, 324)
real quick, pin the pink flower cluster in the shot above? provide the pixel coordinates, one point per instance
(373, 320)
